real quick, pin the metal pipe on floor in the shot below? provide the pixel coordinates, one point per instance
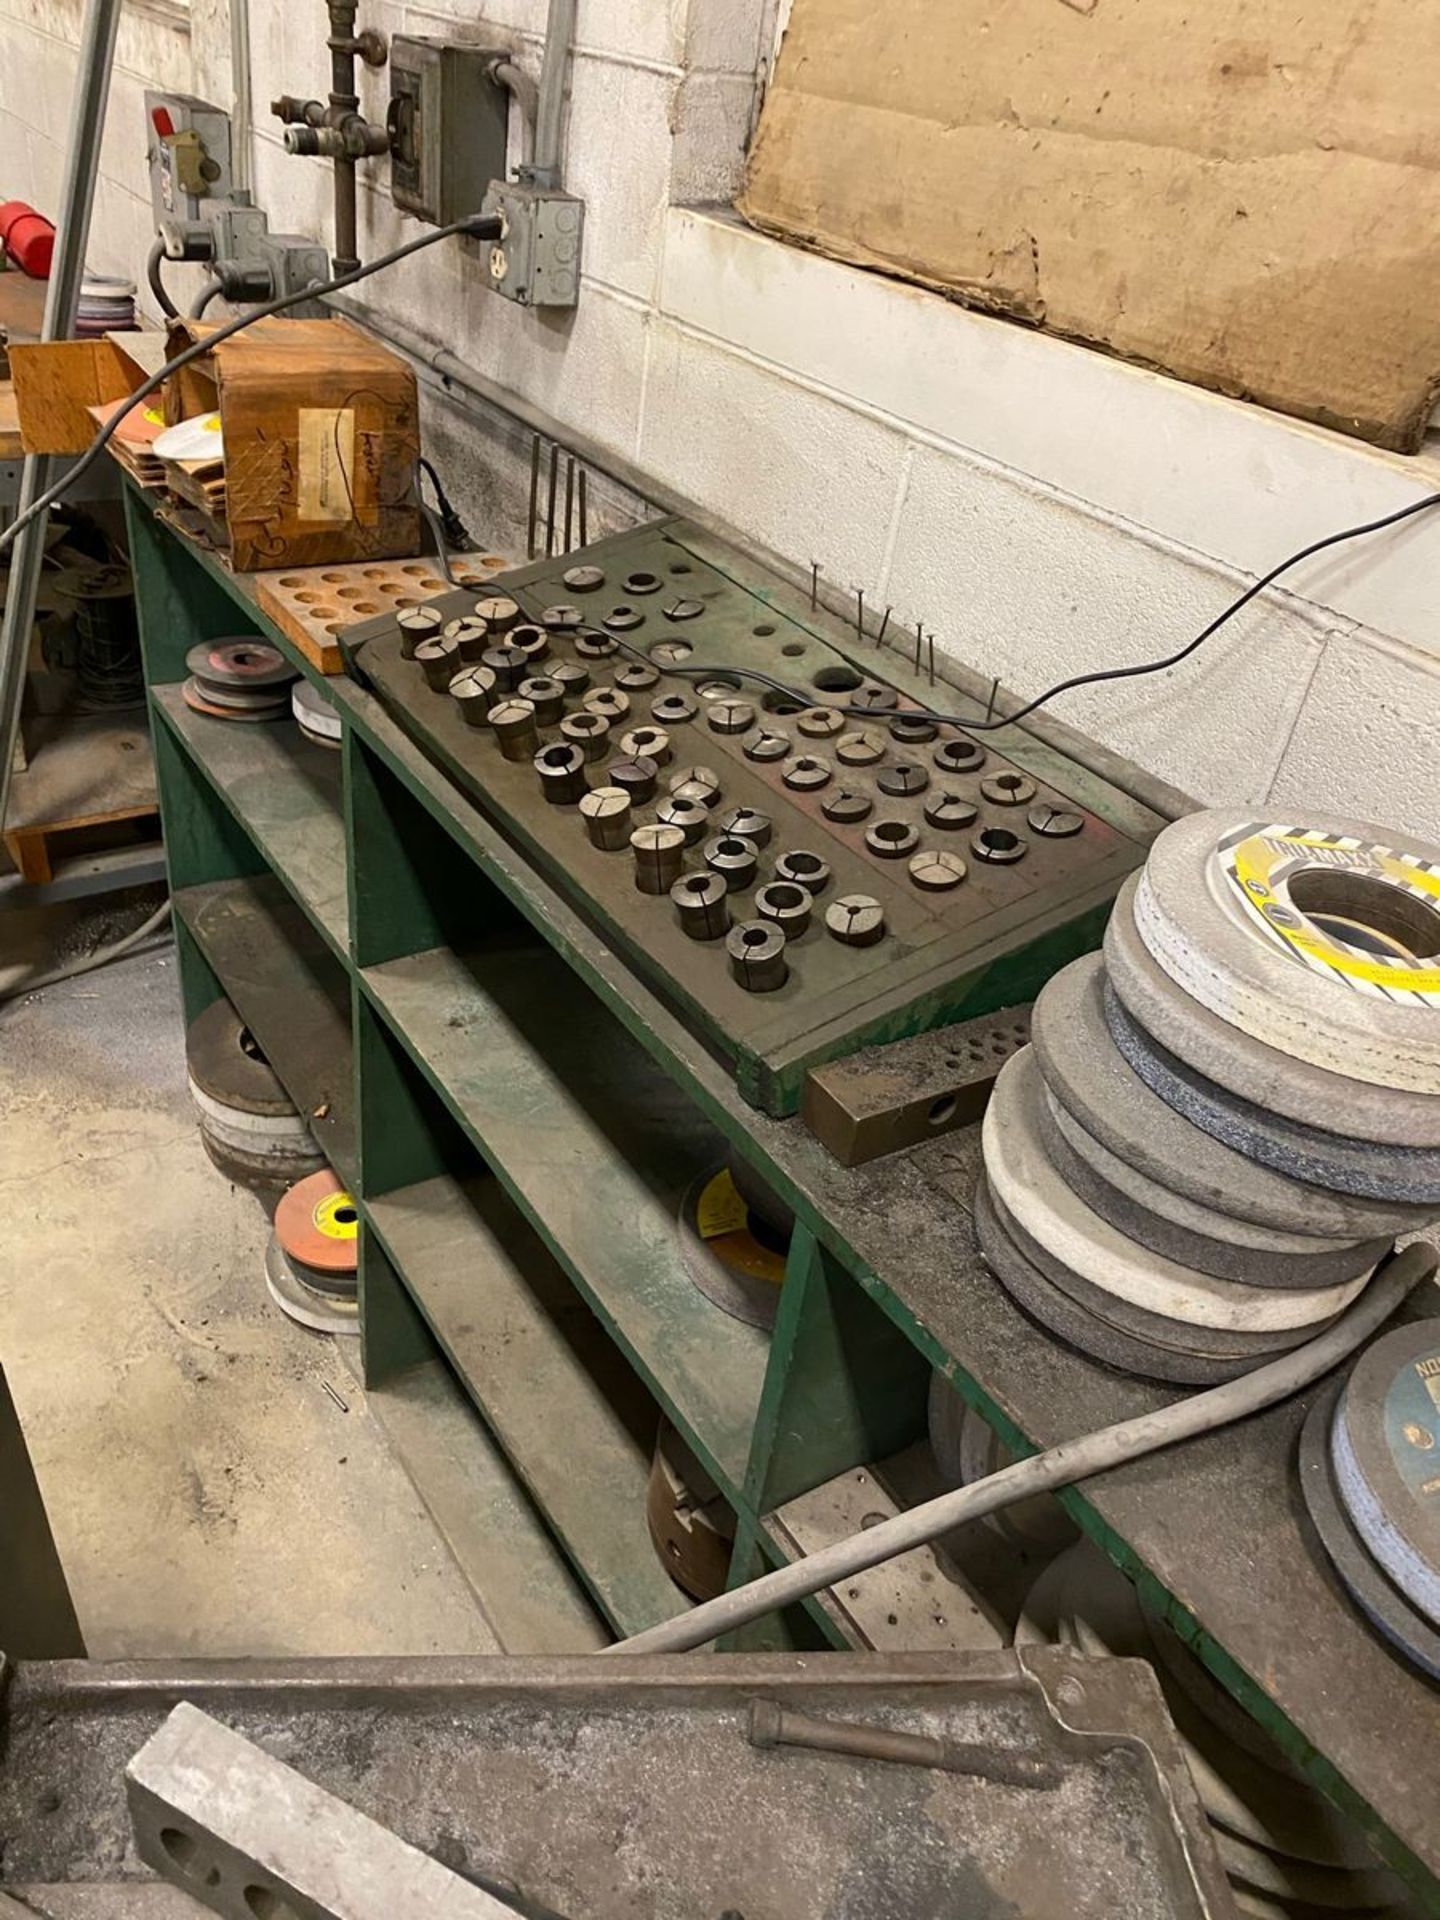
(87, 128)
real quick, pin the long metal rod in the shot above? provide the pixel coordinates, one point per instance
(545, 168)
(242, 112)
(1059, 1466)
(87, 127)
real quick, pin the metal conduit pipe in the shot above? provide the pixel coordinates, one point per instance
(545, 168)
(516, 81)
(1059, 1466)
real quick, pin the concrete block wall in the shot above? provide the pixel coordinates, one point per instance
(1043, 510)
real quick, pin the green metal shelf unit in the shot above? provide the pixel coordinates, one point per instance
(518, 1155)
(519, 1116)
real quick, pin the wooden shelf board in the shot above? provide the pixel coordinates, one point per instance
(285, 791)
(597, 1148)
(292, 993)
(575, 1423)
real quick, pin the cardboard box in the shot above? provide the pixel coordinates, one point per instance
(1244, 194)
(321, 428)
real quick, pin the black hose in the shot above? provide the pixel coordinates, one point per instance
(153, 263)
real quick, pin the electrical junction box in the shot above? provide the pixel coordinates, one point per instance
(536, 260)
(449, 125)
(189, 154)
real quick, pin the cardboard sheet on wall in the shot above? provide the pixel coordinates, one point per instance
(1245, 194)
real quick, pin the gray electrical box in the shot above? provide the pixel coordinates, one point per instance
(536, 260)
(189, 154)
(448, 125)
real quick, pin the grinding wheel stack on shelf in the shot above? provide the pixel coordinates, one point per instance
(249, 1126)
(240, 679)
(1289, 1853)
(311, 1262)
(1221, 1125)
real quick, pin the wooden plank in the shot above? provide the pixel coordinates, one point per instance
(285, 791)
(597, 1148)
(526, 1592)
(84, 769)
(575, 1423)
(313, 606)
(12, 447)
(290, 991)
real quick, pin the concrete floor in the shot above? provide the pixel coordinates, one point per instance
(206, 1493)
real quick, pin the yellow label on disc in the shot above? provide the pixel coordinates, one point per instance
(336, 1217)
(720, 1209)
(1260, 863)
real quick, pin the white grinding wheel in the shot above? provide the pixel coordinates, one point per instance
(1072, 1233)
(1320, 941)
(1245, 1066)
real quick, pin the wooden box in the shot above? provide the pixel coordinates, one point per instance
(321, 428)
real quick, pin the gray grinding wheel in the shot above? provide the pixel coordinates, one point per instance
(1176, 1336)
(1059, 1315)
(1385, 1450)
(1322, 941)
(1249, 1266)
(226, 1063)
(1025, 1182)
(1090, 1078)
(1203, 1221)
(1244, 1065)
(1406, 1174)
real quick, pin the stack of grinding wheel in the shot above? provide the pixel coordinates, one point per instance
(968, 1449)
(248, 1124)
(310, 1263)
(734, 1236)
(242, 679)
(1370, 1472)
(1220, 1127)
(1289, 1853)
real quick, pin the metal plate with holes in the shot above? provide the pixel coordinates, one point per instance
(884, 1098)
(990, 939)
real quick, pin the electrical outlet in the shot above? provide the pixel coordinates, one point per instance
(536, 260)
(448, 123)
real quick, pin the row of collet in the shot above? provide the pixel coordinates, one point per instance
(495, 654)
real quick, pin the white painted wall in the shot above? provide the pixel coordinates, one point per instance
(1043, 509)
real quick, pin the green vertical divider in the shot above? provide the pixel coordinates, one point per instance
(176, 601)
(844, 1387)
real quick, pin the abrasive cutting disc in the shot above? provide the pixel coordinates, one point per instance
(1246, 1066)
(1385, 1448)
(723, 1253)
(1249, 1265)
(1059, 1314)
(197, 699)
(1055, 1217)
(317, 1223)
(1089, 1077)
(1319, 939)
(322, 1312)
(1377, 1597)
(1407, 1174)
(240, 665)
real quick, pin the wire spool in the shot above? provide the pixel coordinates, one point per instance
(967, 1448)
(317, 716)
(1322, 942)
(248, 1125)
(311, 1266)
(1279, 1837)
(108, 673)
(691, 1523)
(729, 1252)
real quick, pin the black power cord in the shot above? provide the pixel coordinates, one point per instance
(457, 535)
(971, 725)
(481, 226)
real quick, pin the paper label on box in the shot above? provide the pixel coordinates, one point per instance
(327, 463)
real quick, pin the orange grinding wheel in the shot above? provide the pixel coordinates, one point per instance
(316, 1223)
